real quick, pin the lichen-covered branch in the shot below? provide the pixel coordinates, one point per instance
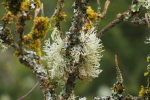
(73, 39)
(103, 14)
(59, 16)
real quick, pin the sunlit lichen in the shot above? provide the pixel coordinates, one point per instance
(27, 38)
(29, 5)
(35, 46)
(39, 30)
(142, 91)
(91, 14)
(25, 6)
(41, 27)
(146, 74)
(60, 18)
(32, 44)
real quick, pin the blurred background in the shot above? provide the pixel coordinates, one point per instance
(125, 40)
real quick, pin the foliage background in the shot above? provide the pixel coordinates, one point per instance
(126, 40)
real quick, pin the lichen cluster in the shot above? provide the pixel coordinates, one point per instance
(29, 5)
(85, 56)
(39, 30)
(41, 27)
(91, 14)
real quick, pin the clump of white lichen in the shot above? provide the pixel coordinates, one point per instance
(85, 56)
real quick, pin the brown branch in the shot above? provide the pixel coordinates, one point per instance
(116, 60)
(15, 45)
(138, 21)
(111, 25)
(119, 19)
(105, 8)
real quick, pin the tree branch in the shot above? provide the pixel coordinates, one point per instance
(119, 19)
(111, 25)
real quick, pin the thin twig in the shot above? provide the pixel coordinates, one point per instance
(118, 71)
(58, 9)
(42, 10)
(99, 7)
(111, 25)
(60, 4)
(36, 12)
(29, 92)
(147, 21)
(105, 8)
(117, 20)
(138, 21)
(99, 13)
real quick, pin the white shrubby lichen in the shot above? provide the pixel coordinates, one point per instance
(84, 56)
(90, 50)
(54, 58)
